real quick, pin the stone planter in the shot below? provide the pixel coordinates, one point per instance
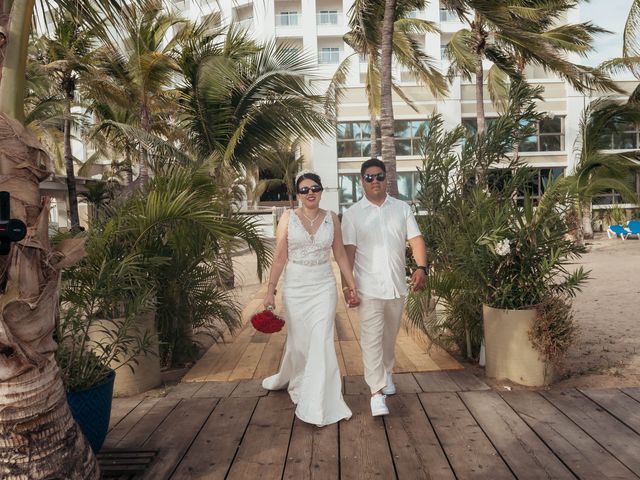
(146, 373)
(508, 351)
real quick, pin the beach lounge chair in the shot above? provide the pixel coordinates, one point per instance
(614, 230)
(633, 227)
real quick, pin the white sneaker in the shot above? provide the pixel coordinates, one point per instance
(390, 387)
(378, 405)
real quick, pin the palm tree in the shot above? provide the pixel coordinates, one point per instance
(365, 37)
(283, 163)
(514, 33)
(598, 170)
(386, 96)
(67, 56)
(40, 438)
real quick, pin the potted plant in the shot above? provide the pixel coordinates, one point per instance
(102, 298)
(523, 259)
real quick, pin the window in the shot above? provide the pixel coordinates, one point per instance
(549, 136)
(287, 19)
(349, 190)
(539, 181)
(625, 137)
(448, 16)
(471, 124)
(612, 197)
(408, 135)
(408, 185)
(354, 138)
(328, 55)
(328, 17)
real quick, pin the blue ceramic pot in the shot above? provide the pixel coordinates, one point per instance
(91, 408)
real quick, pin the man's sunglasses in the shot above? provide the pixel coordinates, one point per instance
(378, 176)
(312, 189)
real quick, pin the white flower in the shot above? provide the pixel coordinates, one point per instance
(503, 247)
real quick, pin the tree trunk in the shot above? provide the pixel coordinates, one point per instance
(373, 126)
(145, 123)
(38, 437)
(585, 214)
(128, 166)
(291, 204)
(386, 98)
(74, 217)
(480, 96)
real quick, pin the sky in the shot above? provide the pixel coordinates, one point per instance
(609, 14)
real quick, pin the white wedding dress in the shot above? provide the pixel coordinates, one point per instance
(309, 366)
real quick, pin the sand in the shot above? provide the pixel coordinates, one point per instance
(607, 312)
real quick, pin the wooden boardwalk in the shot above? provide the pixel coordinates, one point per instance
(250, 354)
(443, 425)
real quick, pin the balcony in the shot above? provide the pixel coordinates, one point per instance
(329, 56)
(448, 16)
(288, 24)
(245, 23)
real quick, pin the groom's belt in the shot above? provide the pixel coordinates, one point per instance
(310, 262)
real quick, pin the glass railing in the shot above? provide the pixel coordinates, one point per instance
(328, 57)
(328, 18)
(288, 19)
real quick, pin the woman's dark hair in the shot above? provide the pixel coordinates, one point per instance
(308, 176)
(372, 162)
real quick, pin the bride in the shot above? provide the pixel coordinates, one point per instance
(309, 368)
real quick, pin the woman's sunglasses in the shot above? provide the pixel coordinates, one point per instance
(378, 176)
(306, 190)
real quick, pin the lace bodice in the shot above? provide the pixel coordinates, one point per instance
(306, 249)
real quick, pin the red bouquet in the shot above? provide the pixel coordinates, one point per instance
(267, 321)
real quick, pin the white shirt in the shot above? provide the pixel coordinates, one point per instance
(380, 234)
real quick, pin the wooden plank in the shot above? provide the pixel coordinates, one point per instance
(216, 389)
(270, 360)
(364, 450)
(184, 390)
(352, 356)
(633, 392)
(355, 385)
(436, 382)
(417, 355)
(467, 381)
(231, 356)
(402, 361)
(344, 328)
(174, 436)
(214, 448)
(578, 451)
(263, 450)
(406, 383)
(527, 456)
(248, 362)
(313, 452)
(260, 337)
(607, 430)
(249, 388)
(143, 429)
(469, 451)
(621, 406)
(123, 427)
(121, 407)
(203, 367)
(415, 448)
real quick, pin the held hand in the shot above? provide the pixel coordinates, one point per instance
(417, 280)
(353, 298)
(269, 301)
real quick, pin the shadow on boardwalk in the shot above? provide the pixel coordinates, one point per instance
(443, 425)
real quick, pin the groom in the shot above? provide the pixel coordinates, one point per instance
(375, 231)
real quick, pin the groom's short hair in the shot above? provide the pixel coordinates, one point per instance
(372, 162)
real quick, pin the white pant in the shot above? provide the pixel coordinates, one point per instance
(379, 324)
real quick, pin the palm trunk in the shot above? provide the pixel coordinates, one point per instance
(480, 96)
(585, 214)
(386, 98)
(144, 171)
(38, 437)
(128, 166)
(373, 126)
(74, 217)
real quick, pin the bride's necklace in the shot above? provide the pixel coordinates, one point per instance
(310, 220)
